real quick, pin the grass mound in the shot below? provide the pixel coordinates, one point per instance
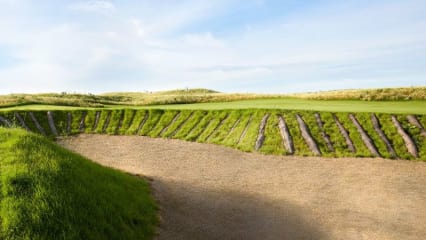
(48, 192)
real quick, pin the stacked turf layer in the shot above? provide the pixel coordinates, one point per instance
(50, 193)
(312, 133)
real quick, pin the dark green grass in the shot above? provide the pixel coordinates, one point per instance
(336, 138)
(422, 120)
(301, 148)
(233, 136)
(154, 117)
(103, 121)
(361, 149)
(415, 134)
(190, 125)
(137, 119)
(422, 139)
(223, 131)
(392, 134)
(365, 120)
(128, 118)
(42, 119)
(201, 126)
(163, 122)
(114, 120)
(213, 125)
(50, 193)
(248, 141)
(273, 143)
(180, 121)
(60, 119)
(90, 121)
(76, 119)
(311, 122)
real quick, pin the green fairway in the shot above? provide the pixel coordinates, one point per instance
(48, 193)
(42, 107)
(412, 107)
(401, 107)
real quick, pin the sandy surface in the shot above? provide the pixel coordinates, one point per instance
(213, 192)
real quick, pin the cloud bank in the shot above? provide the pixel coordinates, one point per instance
(233, 46)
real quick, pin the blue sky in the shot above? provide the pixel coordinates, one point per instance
(228, 45)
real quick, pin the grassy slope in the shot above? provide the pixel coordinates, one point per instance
(215, 127)
(50, 193)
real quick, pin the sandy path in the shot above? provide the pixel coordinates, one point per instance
(212, 192)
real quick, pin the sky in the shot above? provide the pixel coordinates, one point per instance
(256, 46)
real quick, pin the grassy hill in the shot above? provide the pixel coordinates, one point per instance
(50, 193)
(187, 96)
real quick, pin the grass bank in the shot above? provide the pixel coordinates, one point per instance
(48, 192)
(240, 129)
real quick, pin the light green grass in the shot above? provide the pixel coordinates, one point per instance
(413, 107)
(398, 107)
(48, 193)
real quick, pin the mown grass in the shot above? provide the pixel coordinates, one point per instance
(48, 192)
(387, 100)
(399, 107)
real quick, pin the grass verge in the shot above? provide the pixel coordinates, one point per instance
(48, 192)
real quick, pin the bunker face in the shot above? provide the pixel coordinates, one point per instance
(211, 192)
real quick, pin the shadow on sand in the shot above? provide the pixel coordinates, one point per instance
(190, 212)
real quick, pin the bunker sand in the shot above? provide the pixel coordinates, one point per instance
(212, 192)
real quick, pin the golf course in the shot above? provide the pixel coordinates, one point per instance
(280, 167)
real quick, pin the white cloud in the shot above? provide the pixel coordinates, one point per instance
(203, 40)
(153, 46)
(92, 6)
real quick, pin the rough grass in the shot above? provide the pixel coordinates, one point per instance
(48, 192)
(190, 125)
(273, 143)
(153, 117)
(180, 121)
(163, 122)
(224, 130)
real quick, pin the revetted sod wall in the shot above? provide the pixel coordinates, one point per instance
(301, 133)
